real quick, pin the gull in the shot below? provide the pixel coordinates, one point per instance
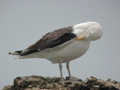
(63, 45)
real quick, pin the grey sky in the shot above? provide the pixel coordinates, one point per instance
(22, 22)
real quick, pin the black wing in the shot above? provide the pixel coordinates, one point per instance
(64, 38)
(51, 40)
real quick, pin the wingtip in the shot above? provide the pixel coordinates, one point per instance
(13, 53)
(10, 53)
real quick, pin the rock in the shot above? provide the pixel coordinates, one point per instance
(48, 83)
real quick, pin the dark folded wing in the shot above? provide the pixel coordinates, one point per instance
(51, 40)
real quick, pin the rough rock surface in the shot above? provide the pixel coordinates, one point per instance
(47, 83)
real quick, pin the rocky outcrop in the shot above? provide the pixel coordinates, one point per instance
(47, 83)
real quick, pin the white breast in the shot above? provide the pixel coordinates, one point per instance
(66, 52)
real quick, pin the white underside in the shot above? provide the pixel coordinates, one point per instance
(62, 53)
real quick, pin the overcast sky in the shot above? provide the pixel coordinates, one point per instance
(22, 22)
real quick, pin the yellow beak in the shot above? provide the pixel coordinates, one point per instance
(80, 38)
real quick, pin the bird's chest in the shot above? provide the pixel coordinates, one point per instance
(68, 51)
